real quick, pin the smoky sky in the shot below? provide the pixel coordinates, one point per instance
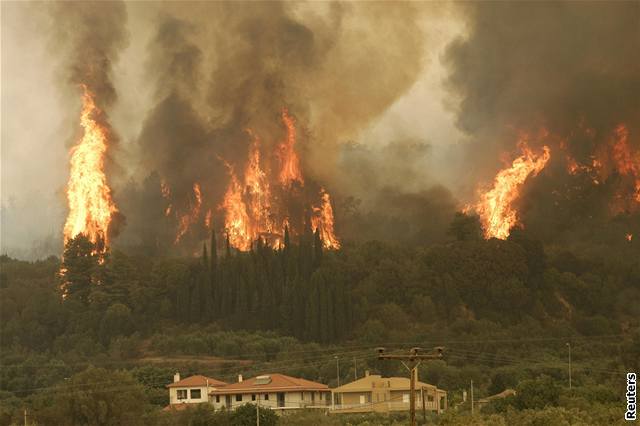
(570, 68)
(402, 109)
(527, 65)
(218, 82)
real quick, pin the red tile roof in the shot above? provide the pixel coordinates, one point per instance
(279, 383)
(195, 381)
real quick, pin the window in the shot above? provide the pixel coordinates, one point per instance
(362, 397)
(405, 398)
(253, 396)
(430, 398)
(182, 394)
(266, 396)
(195, 394)
(238, 397)
(217, 398)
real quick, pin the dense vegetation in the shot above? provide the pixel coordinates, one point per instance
(505, 310)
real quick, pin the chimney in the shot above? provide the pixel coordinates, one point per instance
(366, 373)
(176, 377)
(239, 378)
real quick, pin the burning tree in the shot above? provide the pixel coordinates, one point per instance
(495, 208)
(91, 207)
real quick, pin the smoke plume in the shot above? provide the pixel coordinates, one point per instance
(217, 78)
(567, 71)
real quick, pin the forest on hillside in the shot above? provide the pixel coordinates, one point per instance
(504, 310)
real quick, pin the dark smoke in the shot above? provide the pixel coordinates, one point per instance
(316, 62)
(90, 36)
(563, 66)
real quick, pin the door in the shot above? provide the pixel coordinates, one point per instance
(227, 401)
(280, 399)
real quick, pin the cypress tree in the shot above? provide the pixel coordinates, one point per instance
(317, 248)
(287, 242)
(205, 256)
(214, 252)
(213, 275)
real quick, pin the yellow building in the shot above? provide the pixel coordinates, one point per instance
(374, 393)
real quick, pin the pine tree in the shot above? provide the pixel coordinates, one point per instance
(80, 266)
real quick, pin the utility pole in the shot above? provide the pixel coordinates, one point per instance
(569, 345)
(411, 361)
(472, 397)
(338, 369)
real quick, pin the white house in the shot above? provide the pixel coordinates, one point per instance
(275, 391)
(191, 390)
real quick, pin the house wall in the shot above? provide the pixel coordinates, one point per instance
(291, 399)
(385, 400)
(173, 395)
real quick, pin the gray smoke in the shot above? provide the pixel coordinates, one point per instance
(89, 36)
(570, 68)
(539, 64)
(222, 68)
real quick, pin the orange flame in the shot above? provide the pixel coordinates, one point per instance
(257, 188)
(629, 237)
(323, 220)
(187, 219)
(495, 209)
(237, 222)
(627, 162)
(207, 219)
(252, 211)
(166, 194)
(290, 164)
(91, 207)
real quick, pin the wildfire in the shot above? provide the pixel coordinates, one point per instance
(91, 207)
(629, 237)
(323, 220)
(237, 222)
(593, 170)
(187, 219)
(627, 162)
(290, 164)
(495, 208)
(257, 188)
(254, 205)
(166, 194)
